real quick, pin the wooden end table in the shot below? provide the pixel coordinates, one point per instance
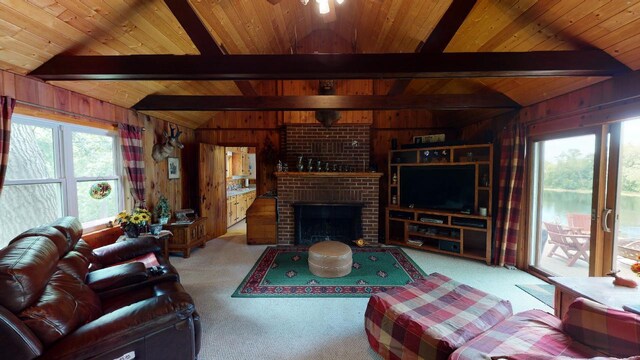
(598, 289)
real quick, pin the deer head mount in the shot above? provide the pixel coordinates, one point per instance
(327, 117)
(162, 151)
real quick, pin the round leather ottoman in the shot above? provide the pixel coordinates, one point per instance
(330, 259)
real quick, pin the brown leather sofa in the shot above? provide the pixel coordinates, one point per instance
(60, 299)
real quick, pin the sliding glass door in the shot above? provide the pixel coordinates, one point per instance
(562, 192)
(585, 201)
(624, 198)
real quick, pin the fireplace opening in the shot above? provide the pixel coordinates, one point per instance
(315, 222)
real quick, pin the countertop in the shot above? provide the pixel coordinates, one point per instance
(240, 191)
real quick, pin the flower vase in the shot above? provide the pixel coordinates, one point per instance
(132, 232)
(163, 220)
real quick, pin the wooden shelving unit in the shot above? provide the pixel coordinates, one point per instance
(452, 233)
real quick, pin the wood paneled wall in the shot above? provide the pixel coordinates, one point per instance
(46, 101)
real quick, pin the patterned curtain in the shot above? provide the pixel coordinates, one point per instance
(511, 184)
(133, 157)
(6, 110)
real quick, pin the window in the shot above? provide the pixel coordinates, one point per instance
(52, 169)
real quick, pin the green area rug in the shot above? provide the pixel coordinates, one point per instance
(542, 292)
(283, 271)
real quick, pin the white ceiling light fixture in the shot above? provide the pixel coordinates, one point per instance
(323, 5)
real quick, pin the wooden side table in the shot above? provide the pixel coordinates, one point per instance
(165, 236)
(598, 289)
(187, 235)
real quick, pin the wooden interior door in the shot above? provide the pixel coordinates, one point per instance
(212, 186)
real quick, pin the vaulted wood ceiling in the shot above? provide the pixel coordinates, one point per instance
(34, 31)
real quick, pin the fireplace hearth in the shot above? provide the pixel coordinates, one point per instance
(315, 222)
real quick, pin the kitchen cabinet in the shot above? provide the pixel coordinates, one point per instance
(237, 206)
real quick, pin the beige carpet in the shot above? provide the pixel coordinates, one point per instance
(296, 328)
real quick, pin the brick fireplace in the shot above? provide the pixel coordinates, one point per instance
(338, 188)
(345, 145)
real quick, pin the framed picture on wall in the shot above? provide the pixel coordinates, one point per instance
(174, 167)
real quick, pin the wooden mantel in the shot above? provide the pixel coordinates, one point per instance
(318, 174)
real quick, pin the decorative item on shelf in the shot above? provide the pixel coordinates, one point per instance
(279, 167)
(394, 179)
(155, 229)
(133, 224)
(300, 165)
(620, 281)
(310, 165)
(100, 190)
(319, 166)
(335, 167)
(162, 210)
(285, 168)
(482, 211)
(327, 168)
(426, 155)
(394, 199)
(484, 181)
(444, 156)
(185, 216)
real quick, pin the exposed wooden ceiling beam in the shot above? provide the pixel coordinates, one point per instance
(196, 30)
(325, 102)
(330, 66)
(440, 36)
(200, 36)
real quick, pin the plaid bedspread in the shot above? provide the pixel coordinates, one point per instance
(532, 334)
(430, 318)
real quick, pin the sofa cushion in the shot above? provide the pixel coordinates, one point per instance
(535, 333)
(76, 264)
(85, 249)
(25, 268)
(66, 304)
(614, 332)
(71, 227)
(51, 233)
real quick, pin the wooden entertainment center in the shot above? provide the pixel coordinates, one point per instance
(462, 232)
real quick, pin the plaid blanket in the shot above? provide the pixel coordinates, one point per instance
(532, 334)
(430, 318)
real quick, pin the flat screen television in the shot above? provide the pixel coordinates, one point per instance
(447, 187)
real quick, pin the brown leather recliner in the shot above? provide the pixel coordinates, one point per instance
(49, 311)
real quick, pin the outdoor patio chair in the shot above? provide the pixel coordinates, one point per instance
(579, 222)
(572, 246)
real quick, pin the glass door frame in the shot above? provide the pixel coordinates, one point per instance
(597, 261)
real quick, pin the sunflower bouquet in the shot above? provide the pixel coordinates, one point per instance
(133, 224)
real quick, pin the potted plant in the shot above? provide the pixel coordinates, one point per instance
(162, 210)
(133, 224)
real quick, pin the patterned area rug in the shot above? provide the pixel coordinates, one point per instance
(542, 292)
(283, 271)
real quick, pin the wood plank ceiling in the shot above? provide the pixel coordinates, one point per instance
(34, 31)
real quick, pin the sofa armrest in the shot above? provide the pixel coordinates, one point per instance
(613, 332)
(125, 250)
(17, 340)
(117, 276)
(124, 326)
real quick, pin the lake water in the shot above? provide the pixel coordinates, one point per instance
(556, 205)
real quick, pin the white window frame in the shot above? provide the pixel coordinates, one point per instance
(63, 166)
